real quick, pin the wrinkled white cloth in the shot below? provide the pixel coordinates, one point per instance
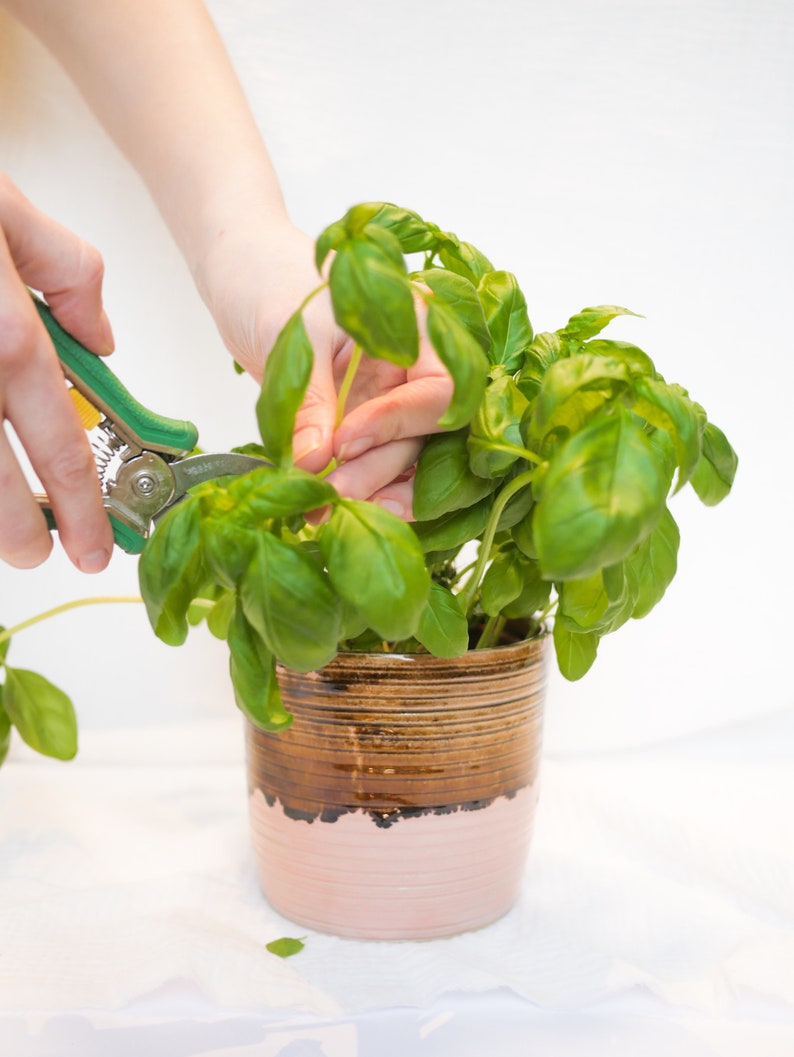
(668, 870)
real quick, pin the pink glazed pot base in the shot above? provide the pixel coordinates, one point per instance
(426, 877)
(400, 803)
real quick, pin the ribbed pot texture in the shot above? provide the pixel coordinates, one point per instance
(399, 804)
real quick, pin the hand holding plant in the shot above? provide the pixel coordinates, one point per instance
(558, 454)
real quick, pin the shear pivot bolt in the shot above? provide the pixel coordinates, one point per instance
(144, 484)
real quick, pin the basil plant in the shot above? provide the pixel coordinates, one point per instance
(543, 499)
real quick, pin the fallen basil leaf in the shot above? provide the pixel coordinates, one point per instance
(285, 947)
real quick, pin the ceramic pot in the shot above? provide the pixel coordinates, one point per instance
(399, 804)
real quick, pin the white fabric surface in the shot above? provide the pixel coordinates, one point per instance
(669, 872)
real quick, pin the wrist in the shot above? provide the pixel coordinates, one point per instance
(230, 235)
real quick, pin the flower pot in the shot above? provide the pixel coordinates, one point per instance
(400, 803)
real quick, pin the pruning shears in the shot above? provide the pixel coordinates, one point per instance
(143, 459)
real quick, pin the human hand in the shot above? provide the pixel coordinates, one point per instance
(38, 252)
(252, 285)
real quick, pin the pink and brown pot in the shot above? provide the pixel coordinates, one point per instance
(400, 803)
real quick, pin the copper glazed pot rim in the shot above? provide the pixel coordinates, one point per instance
(479, 656)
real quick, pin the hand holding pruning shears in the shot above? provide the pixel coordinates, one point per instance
(99, 453)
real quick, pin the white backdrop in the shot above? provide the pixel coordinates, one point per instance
(630, 153)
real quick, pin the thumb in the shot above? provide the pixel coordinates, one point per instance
(66, 269)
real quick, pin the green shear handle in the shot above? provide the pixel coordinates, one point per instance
(135, 425)
(90, 375)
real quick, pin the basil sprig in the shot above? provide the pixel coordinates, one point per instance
(556, 457)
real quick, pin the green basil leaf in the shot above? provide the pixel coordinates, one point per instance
(412, 233)
(43, 714)
(332, 237)
(373, 301)
(452, 530)
(444, 480)
(570, 377)
(654, 564)
(534, 594)
(496, 426)
(375, 562)
(253, 671)
(228, 546)
(5, 730)
(502, 582)
(458, 332)
(220, 615)
(544, 350)
(519, 508)
(716, 469)
(569, 418)
(582, 602)
(601, 602)
(443, 629)
(251, 449)
(575, 651)
(201, 606)
(172, 572)
(286, 380)
(270, 492)
(602, 494)
(591, 321)
(507, 318)
(637, 361)
(522, 534)
(668, 407)
(4, 646)
(462, 258)
(285, 947)
(354, 623)
(458, 296)
(233, 517)
(281, 586)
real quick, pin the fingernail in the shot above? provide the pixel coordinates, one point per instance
(107, 332)
(93, 562)
(353, 448)
(307, 441)
(392, 506)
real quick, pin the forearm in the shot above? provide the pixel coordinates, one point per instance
(158, 78)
